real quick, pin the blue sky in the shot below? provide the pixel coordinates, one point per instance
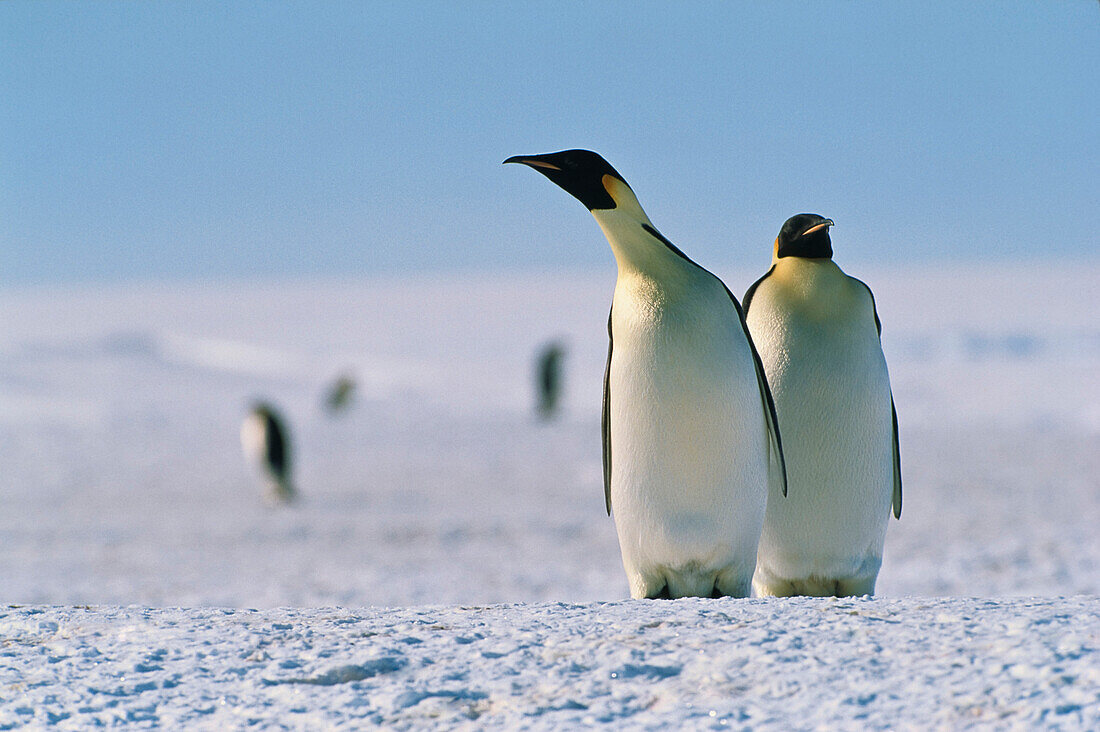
(226, 140)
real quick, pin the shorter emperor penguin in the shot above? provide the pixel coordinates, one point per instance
(819, 337)
(267, 447)
(690, 438)
(548, 380)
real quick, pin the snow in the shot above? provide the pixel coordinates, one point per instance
(438, 496)
(705, 664)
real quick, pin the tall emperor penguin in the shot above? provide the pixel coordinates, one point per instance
(818, 334)
(690, 438)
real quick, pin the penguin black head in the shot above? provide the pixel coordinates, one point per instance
(805, 235)
(579, 172)
(264, 410)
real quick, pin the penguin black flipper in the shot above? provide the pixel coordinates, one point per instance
(277, 456)
(895, 501)
(759, 364)
(605, 417)
(752, 289)
(770, 416)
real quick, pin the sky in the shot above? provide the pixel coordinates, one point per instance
(150, 141)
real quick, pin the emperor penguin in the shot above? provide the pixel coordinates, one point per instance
(340, 394)
(690, 437)
(818, 334)
(548, 379)
(267, 447)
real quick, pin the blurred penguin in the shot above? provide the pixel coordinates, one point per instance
(340, 394)
(548, 380)
(266, 444)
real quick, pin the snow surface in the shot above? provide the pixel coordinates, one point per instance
(704, 664)
(123, 484)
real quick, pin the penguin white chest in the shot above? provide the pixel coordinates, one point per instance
(688, 438)
(254, 441)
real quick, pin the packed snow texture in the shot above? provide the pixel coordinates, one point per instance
(123, 484)
(683, 664)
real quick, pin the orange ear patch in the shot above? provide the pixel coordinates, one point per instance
(611, 185)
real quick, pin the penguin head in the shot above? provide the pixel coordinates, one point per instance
(261, 409)
(805, 235)
(266, 413)
(583, 174)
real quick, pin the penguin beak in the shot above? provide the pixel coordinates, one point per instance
(818, 227)
(531, 160)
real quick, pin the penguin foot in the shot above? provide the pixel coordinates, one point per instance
(696, 584)
(814, 587)
(661, 594)
(280, 493)
(856, 586)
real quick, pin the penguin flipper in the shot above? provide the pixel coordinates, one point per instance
(896, 500)
(278, 454)
(874, 307)
(775, 441)
(605, 417)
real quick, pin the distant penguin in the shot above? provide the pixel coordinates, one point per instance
(340, 394)
(690, 439)
(548, 380)
(266, 444)
(819, 336)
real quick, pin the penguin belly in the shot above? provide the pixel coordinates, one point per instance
(688, 440)
(831, 388)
